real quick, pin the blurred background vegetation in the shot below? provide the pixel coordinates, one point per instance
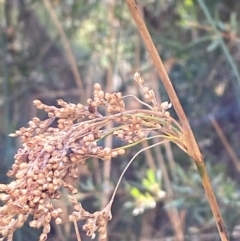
(54, 49)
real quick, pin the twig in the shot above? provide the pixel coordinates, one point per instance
(149, 157)
(228, 35)
(67, 47)
(192, 146)
(77, 231)
(109, 126)
(173, 213)
(129, 163)
(225, 142)
(168, 65)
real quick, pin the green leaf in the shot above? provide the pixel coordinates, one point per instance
(234, 22)
(188, 3)
(146, 183)
(221, 25)
(135, 192)
(151, 176)
(215, 43)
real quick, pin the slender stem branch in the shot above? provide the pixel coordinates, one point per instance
(226, 144)
(67, 47)
(77, 231)
(129, 163)
(192, 146)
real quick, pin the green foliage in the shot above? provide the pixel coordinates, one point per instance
(147, 194)
(189, 195)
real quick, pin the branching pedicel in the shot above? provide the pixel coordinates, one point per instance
(50, 156)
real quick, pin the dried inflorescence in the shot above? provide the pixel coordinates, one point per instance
(53, 149)
(96, 221)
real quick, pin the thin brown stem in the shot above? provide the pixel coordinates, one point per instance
(226, 144)
(149, 157)
(67, 47)
(173, 213)
(227, 35)
(77, 231)
(129, 163)
(192, 146)
(109, 139)
(167, 145)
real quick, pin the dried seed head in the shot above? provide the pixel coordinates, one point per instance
(3, 187)
(138, 79)
(46, 228)
(114, 154)
(165, 105)
(38, 103)
(43, 237)
(51, 154)
(97, 86)
(121, 152)
(33, 224)
(58, 220)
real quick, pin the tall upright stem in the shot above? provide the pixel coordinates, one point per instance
(191, 143)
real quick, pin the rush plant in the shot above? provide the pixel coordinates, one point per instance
(54, 149)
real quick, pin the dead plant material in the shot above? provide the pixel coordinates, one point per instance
(53, 150)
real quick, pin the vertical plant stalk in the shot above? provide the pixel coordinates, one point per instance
(6, 87)
(66, 46)
(149, 157)
(191, 144)
(109, 139)
(173, 213)
(168, 65)
(77, 231)
(226, 144)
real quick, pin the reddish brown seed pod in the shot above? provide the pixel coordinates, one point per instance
(91, 109)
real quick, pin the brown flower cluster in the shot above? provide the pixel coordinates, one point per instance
(96, 221)
(53, 149)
